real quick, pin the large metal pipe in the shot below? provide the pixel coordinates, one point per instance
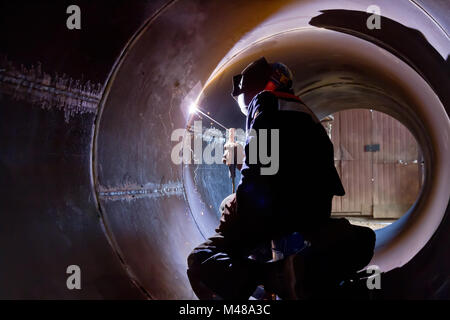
(153, 212)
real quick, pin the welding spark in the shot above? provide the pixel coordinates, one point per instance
(193, 108)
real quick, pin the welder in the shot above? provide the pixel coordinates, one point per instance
(233, 156)
(296, 198)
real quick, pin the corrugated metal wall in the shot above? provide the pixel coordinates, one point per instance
(376, 157)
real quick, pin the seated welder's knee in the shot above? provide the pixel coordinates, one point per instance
(358, 248)
(198, 274)
(366, 239)
(200, 288)
(339, 249)
(216, 274)
(368, 236)
(193, 261)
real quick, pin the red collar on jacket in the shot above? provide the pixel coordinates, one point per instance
(270, 87)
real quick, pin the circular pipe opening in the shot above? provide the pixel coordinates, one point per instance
(380, 164)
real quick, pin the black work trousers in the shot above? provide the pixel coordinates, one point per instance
(220, 269)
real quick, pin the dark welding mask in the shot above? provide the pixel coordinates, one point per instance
(252, 79)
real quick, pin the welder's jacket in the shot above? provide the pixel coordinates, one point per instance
(289, 200)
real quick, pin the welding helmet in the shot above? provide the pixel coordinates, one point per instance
(252, 78)
(255, 78)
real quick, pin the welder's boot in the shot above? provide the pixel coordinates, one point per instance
(286, 278)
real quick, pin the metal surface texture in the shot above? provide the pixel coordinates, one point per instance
(88, 180)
